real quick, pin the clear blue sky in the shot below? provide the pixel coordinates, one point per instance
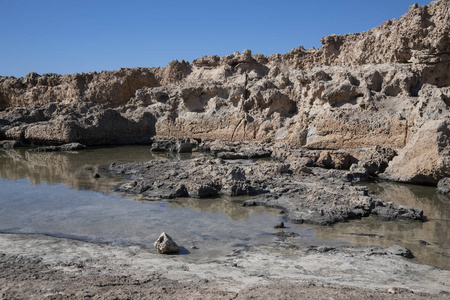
(69, 36)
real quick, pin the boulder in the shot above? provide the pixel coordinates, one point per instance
(376, 160)
(426, 157)
(166, 245)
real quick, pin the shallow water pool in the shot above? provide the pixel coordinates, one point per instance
(57, 194)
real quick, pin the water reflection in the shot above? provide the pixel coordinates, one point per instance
(92, 216)
(232, 208)
(429, 241)
(74, 169)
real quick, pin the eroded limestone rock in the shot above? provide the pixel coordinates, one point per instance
(426, 157)
(166, 245)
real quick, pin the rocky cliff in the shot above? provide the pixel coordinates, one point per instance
(379, 87)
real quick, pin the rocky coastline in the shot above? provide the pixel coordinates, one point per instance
(299, 132)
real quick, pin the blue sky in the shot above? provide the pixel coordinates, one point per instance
(74, 36)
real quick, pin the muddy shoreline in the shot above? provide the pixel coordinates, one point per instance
(54, 268)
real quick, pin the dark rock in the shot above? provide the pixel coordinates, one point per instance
(250, 203)
(180, 192)
(324, 249)
(72, 147)
(203, 190)
(358, 174)
(245, 153)
(174, 145)
(163, 145)
(398, 250)
(184, 146)
(367, 235)
(65, 147)
(321, 249)
(283, 236)
(10, 144)
(231, 155)
(424, 243)
(389, 212)
(321, 197)
(279, 225)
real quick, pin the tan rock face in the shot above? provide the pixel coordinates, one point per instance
(426, 157)
(377, 87)
(111, 88)
(419, 37)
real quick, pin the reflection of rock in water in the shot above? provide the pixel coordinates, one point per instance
(407, 234)
(232, 209)
(37, 167)
(73, 169)
(434, 205)
(52, 168)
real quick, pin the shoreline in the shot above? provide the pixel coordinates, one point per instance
(50, 267)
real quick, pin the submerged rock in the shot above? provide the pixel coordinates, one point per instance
(166, 245)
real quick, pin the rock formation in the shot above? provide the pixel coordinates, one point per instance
(311, 195)
(380, 87)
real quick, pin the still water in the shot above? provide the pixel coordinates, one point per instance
(57, 194)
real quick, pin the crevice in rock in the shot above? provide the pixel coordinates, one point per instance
(235, 128)
(414, 91)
